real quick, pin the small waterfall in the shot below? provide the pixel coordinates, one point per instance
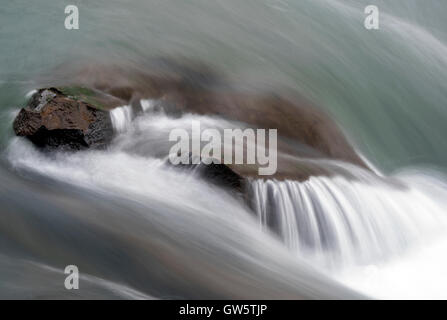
(121, 118)
(348, 221)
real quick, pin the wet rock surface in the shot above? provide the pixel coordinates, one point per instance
(53, 119)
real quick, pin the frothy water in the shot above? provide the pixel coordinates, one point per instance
(171, 228)
(138, 228)
(333, 223)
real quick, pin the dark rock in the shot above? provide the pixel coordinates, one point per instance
(55, 119)
(221, 175)
(216, 173)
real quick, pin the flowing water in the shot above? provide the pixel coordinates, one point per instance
(138, 228)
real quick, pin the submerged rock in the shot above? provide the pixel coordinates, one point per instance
(308, 138)
(65, 118)
(304, 130)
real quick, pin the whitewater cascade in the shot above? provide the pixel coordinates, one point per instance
(334, 223)
(338, 220)
(135, 225)
(349, 221)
